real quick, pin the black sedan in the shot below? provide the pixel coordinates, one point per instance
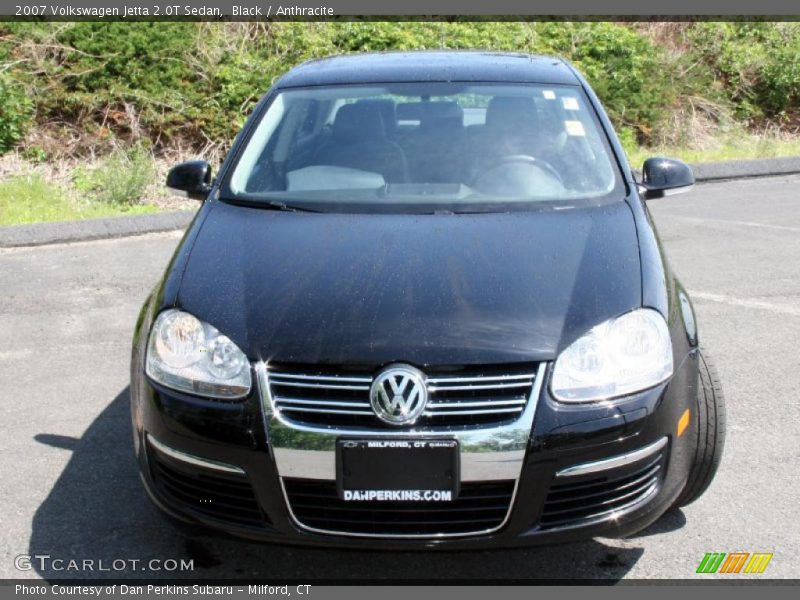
(424, 304)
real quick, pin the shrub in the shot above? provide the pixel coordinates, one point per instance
(16, 111)
(759, 64)
(134, 79)
(191, 85)
(626, 71)
(120, 179)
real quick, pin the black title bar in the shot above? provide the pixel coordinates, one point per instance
(320, 9)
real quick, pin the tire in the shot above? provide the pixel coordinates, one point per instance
(710, 416)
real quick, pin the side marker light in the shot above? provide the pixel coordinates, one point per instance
(683, 422)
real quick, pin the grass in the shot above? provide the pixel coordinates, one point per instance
(31, 199)
(727, 148)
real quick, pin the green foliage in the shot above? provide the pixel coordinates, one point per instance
(627, 137)
(623, 67)
(759, 64)
(31, 199)
(16, 111)
(129, 77)
(119, 180)
(35, 154)
(192, 85)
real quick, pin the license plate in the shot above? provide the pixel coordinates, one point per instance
(397, 470)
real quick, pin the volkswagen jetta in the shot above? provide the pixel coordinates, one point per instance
(423, 303)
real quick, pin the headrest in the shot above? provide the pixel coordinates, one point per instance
(359, 122)
(409, 111)
(511, 113)
(388, 111)
(429, 111)
(437, 111)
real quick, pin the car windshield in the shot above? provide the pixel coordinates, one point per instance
(426, 147)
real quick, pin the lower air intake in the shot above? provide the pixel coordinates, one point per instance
(597, 498)
(217, 496)
(479, 507)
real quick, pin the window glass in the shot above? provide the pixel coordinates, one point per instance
(427, 147)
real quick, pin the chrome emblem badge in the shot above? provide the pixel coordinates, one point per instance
(398, 395)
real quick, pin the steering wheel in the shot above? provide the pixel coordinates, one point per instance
(514, 159)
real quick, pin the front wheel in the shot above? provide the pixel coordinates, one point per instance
(710, 415)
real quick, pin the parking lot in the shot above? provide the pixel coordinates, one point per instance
(71, 489)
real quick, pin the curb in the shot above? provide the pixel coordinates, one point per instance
(745, 169)
(39, 234)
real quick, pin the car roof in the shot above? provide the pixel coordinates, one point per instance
(403, 67)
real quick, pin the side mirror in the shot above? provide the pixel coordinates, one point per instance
(191, 179)
(665, 176)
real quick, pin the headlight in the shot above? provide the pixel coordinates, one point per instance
(616, 358)
(185, 354)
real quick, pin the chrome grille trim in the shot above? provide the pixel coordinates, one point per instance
(331, 411)
(462, 403)
(489, 398)
(491, 411)
(457, 379)
(282, 400)
(334, 378)
(488, 452)
(614, 462)
(191, 459)
(326, 386)
(489, 386)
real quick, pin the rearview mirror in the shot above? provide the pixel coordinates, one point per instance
(191, 179)
(665, 176)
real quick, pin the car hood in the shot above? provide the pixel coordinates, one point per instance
(444, 289)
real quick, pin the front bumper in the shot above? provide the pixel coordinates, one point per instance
(557, 473)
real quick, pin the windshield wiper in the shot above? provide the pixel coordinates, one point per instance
(268, 204)
(277, 205)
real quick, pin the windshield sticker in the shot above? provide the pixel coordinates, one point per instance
(570, 103)
(575, 128)
(549, 94)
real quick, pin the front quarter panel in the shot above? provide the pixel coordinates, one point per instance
(161, 297)
(661, 290)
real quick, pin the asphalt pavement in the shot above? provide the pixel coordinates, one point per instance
(70, 488)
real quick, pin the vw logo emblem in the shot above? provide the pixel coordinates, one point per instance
(398, 395)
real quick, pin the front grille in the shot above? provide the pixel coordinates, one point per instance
(219, 496)
(571, 504)
(479, 507)
(464, 396)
